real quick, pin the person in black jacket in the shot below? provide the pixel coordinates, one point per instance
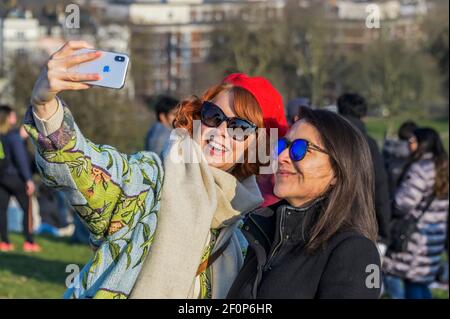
(353, 107)
(15, 180)
(319, 240)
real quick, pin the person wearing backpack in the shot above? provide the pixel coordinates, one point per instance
(420, 216)
(15, 180)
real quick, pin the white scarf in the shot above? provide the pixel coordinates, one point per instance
(195, 198)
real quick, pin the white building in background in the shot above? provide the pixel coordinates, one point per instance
(20, 34)
(181, 27)
(413, 7)
(389, 10)
(352, 10)
(399, 19)
(113, 37)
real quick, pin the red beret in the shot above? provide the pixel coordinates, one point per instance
(268, 98)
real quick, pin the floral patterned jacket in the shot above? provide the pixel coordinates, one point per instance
(116, 195)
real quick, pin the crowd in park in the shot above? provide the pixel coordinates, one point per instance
(199, 196)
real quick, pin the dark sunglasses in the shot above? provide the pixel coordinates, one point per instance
(213, 116)
(297, 148)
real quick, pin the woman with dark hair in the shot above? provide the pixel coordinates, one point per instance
(15, 180)
(422, 193)
(164, 228)
(319, 241)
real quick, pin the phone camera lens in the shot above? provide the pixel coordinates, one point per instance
(119, 58)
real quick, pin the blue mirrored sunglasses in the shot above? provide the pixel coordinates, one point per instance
(297, 148)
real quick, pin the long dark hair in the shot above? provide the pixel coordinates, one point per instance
(348, 204)
(429, 141)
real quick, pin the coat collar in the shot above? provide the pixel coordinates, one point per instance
(267, 219)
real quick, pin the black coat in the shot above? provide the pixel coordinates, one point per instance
(382, 201)
(16, 161)
(277, 264)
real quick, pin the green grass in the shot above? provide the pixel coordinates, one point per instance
(377, 127)
(42, 275)
(39, 275)
(440, 294)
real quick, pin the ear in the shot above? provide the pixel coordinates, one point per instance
(333, 181)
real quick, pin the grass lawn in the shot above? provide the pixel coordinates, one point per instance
(39, 275)
(42, 275)
(440, 294)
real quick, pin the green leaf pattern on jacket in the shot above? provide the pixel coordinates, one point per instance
(116, 195)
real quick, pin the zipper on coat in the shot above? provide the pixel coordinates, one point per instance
(279, 244)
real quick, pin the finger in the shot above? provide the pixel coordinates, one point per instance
(57, 86)
(74, 86)
(70, 47)
(76, 59)
(79, 77)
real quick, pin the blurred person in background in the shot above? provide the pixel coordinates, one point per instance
(293, 108)
(53, 222)
(353, 107)
(396, 153)
(158, 135)
(422, 194)
(15, 180)
(317, 242)
(81, 232)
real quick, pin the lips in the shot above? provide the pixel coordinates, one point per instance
(285, 173)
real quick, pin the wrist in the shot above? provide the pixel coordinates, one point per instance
(46, 110)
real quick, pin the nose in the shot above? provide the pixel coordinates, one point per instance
(284, 158)
(222, 129)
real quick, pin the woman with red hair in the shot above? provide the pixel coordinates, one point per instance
(163, 228)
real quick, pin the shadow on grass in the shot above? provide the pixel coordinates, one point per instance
(33, 267)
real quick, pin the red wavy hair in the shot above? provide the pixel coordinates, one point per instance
(245, 106)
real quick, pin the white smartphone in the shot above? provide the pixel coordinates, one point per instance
(111, 66)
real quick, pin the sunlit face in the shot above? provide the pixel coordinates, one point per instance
(220, 149)
(167, 119)
(305, 180)
(412, 144)
(12, 118)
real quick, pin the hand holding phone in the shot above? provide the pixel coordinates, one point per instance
(67, 69)
(55, 77)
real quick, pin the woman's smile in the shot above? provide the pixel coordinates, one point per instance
(215, 148)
